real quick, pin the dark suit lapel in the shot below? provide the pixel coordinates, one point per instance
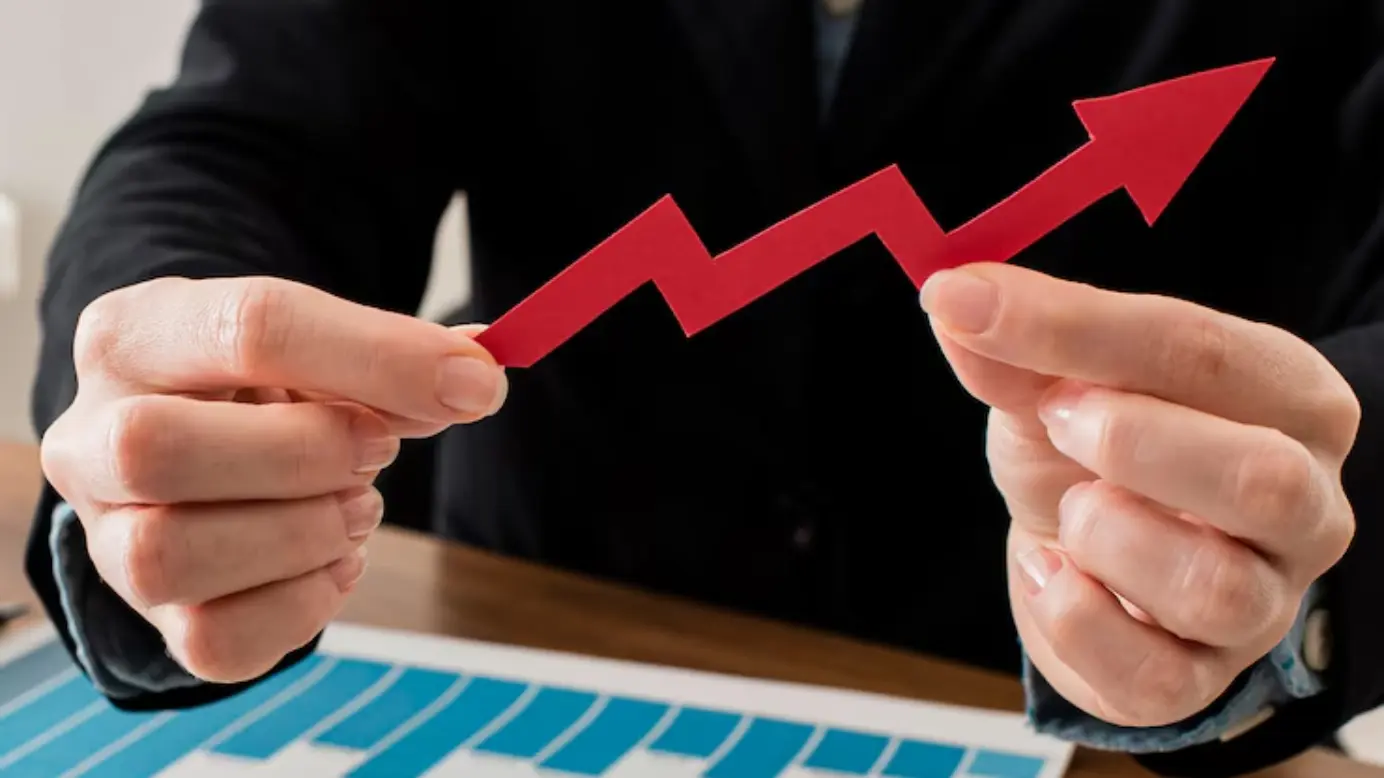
(758, 59)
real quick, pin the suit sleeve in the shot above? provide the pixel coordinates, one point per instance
(1281, 677)
(306, 139)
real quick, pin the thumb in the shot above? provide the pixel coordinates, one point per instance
(1030, 473)
(1013, 391)
(405, 427)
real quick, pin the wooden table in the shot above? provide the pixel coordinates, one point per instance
(421, 584)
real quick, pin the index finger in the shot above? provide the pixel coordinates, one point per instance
(222, 334)
(1172, 349)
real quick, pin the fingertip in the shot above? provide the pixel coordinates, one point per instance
(964, 303)
(471, 333)
(471, 386)
(928, 292)
(501, 393)
(347, 571)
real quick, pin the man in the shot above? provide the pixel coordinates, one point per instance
(1166, 484)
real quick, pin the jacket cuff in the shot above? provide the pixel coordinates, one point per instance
(120, 652)
(1282, 676)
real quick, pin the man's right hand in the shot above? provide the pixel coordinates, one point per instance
(222, 447)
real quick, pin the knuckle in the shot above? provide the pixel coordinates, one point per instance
(1339, 416)
(315, 601)
(1163, 680)
(59, 454)
(373, 357)
(1007, 444)
(1067, 630)
(1022, 467)
(1198, 349)
(1224, 594)
(1063, 332)
(1118, 438)
(1080, 522)
(301, 452)
(149, 557)
(101, 335)
(1337, 533)
(1275, 483)
(204, 643)
(312, 541)
(97, 335)
(138, 441)
(254, 325)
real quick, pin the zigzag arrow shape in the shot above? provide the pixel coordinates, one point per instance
(1146, 141)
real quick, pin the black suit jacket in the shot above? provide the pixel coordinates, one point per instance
(811, 457)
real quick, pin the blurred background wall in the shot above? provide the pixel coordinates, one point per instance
(70, 70)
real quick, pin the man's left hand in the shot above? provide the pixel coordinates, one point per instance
(1172, 473)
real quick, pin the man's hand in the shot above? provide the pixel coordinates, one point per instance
(1172, 474)
(222, 447)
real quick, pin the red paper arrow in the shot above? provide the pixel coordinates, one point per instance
(1146, 141)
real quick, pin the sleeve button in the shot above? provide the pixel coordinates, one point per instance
(1247, 725)
(1316, 641)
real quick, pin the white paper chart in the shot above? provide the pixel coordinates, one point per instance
(383, 704)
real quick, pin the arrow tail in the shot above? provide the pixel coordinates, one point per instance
(659, 237)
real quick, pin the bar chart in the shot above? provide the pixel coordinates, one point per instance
(357, 710)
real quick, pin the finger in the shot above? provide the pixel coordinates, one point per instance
(243, 636)
(174, 335)
(261, 396)
(1168, 348)
(159, 449)
(1030, 473)
(1192, 580)
(1253, 483)
(1141, 676)
(402, 426)
(187, 554)
(1013, 390)
(397, 426)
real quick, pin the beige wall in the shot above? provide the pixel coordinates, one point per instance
(69, 71)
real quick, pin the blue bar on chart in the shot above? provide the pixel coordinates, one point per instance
(850, 753)
(414, 690)
(917, 759)
(33, 669)
(766, 749)
(480, 702)
(617, 729)
(70, 748)
(289, 721)
(33, 719)
(187, 731)
(998, 764)
(547, 716)
(696, 733)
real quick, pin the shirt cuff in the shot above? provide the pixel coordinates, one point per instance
(121, 653)
(1280, 677)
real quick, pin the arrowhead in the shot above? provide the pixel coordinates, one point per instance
(1154, 136)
